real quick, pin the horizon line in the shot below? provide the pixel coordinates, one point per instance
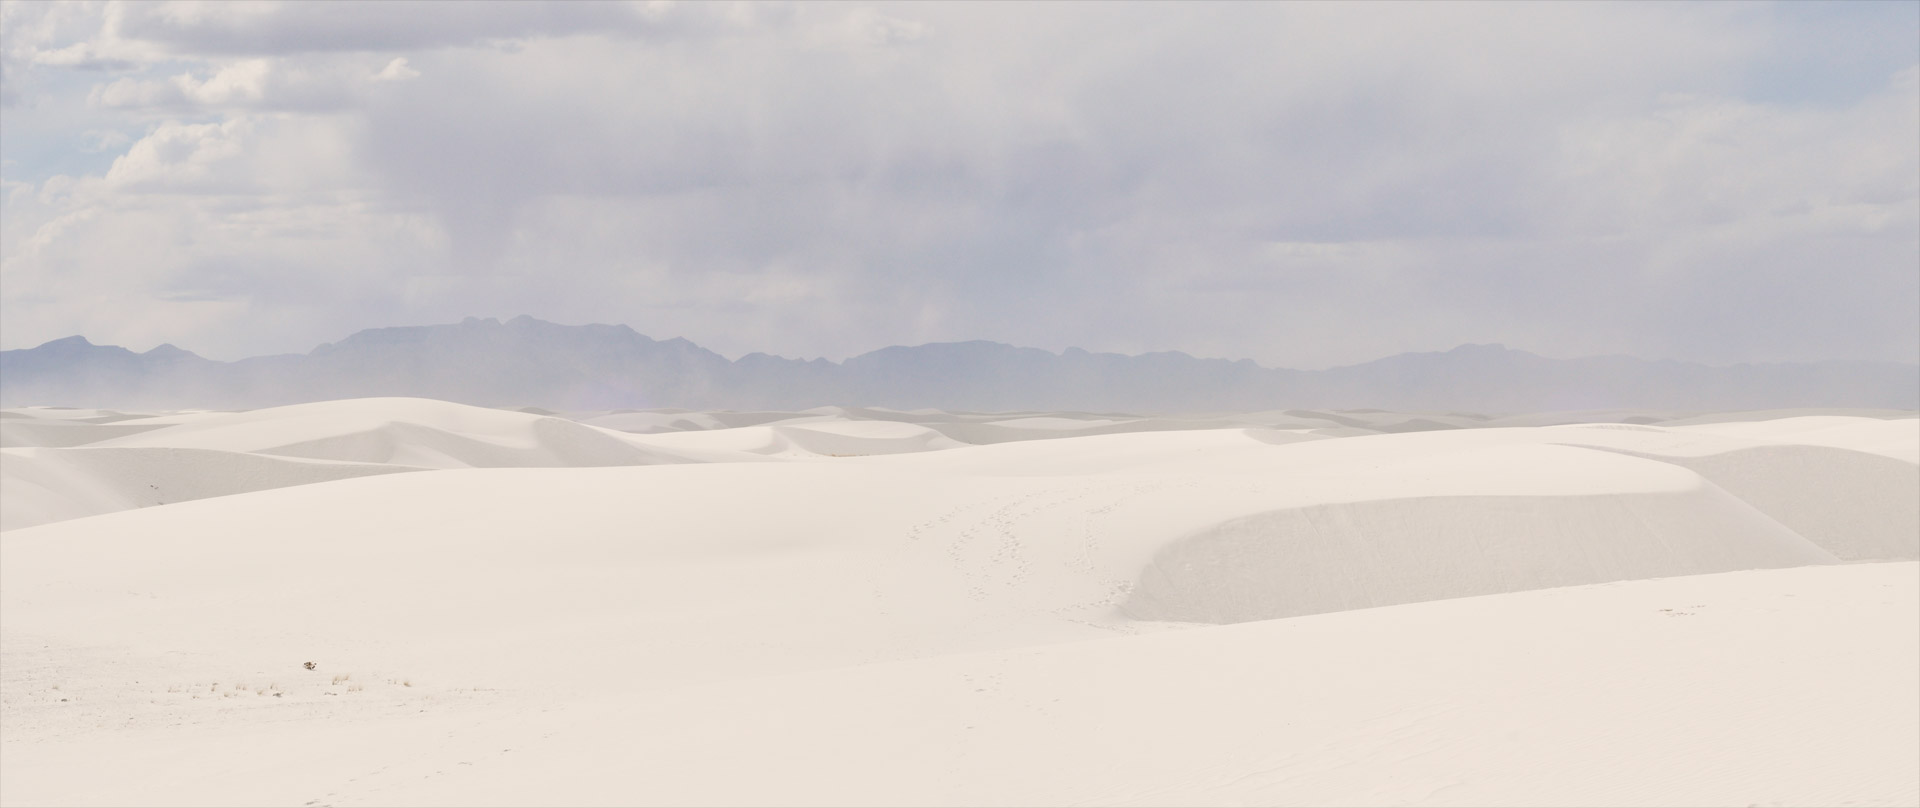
(1498, 346)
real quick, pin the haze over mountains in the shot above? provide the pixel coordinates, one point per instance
(529, 362)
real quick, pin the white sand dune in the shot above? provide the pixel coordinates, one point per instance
(1841, 483)
(1772, 421)
(441, 568)
(38, 486)
(1898, 438)
(1788, 687)
(84, 415)
(967, 548)
(851, 438)
(813, 438)
(986, 432)
(1856, 505)
(1725, 690)
(649, 422)
(1336, 557)
(596, 620)
(84, 466)
(1055, 423)
(22, 433)
(411, 432)
(1240, 720)
(1578, 417)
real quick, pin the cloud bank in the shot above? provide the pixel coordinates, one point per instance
(1300, 184)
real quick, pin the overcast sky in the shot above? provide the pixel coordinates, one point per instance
(1301, 184)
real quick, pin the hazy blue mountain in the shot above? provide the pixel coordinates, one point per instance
(528, 362)
(73, 369)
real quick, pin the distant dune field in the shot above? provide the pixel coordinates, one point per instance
(885, 607)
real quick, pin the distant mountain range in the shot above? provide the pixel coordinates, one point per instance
(528, 362)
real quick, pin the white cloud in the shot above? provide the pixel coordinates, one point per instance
(322, 84)
(397, 70)
(185, 157)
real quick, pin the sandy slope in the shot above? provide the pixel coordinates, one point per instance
(38, 486)
(813, 438)
(65, 464)
(939, 623)
(1788, 687)
(16, 433)
(1724, 690)
(404, 431)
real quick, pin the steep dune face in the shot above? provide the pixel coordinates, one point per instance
(1473, 521)
(1358, 555)
(1849, 484)
(1898, 438)
(1801, 490)
(1883, 432)
(1857, 505)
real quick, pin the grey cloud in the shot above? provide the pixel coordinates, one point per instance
(1147, 167)
(78, 57)
(288, 27)
(1301, 184)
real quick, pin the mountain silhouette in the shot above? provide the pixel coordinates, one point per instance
(529, 362)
